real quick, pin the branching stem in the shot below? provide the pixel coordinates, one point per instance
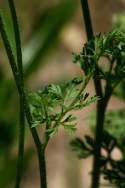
(22, 113)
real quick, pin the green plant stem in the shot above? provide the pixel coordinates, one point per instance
(39, 147)
(17, 38)
(23, 96)
(22, 113)
(87, 78)
(41, 156)
(87, 19)
(101, 104)
(42, 163)
(101, 108)
(21, 146)
(90, 36)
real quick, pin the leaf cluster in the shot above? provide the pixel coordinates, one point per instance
(52, 105)
(114, 138)
(112, 169)
(107, 52)
(85, 147)
(116, 174)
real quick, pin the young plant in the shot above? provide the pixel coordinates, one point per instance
(108, 49)
(50, 107)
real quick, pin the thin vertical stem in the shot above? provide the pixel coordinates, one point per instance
(42, 163)
(17, 71)
(101, 104)
(41, 156)
(90, 36)
(22, 113)
(17, 38)
(100, 115)
(87, 19)
(20, 147)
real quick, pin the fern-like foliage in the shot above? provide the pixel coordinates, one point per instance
(83, 148)
(112, 169)
(108, 53)
(52, 106)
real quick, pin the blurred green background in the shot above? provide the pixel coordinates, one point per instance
(51, 30)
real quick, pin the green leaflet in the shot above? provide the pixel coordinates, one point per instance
(111, 46)
(52, 105)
